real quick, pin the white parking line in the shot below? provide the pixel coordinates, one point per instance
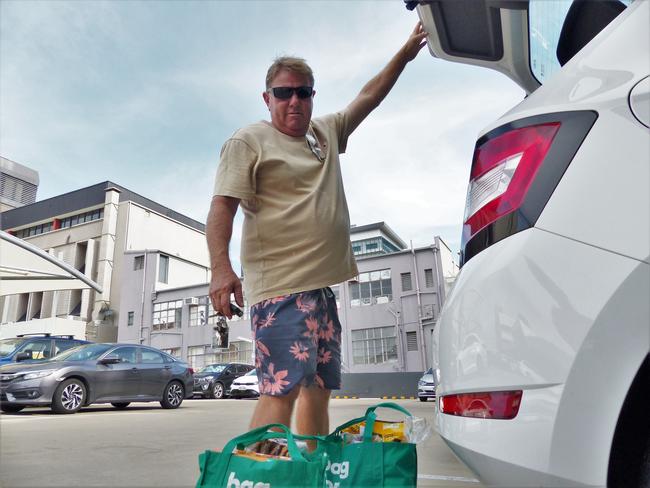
(447, 478)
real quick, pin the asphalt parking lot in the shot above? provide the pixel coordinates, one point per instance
(145, 445)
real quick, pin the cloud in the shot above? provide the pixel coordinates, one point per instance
(145, 93)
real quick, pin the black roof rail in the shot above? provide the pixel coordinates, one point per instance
(41, 334)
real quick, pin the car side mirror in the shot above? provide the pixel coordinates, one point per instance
(110, 359)
(23, 356)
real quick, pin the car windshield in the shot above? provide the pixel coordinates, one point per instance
(429, 371)
(213, 368)
(252, 372)
(7, 346)
(86, 352)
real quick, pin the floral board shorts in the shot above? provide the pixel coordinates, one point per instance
(297, 341)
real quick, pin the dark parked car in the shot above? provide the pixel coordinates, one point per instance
(35, 347)
(214, 380)
(96, 373)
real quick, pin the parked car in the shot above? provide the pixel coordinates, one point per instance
(96, 373)
(427, 386)
(245, 386)
(214, 380)
(35, 347)
(550, 311)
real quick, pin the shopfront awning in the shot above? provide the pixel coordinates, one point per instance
(25, 268)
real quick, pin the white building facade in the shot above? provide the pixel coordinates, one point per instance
(92, 229)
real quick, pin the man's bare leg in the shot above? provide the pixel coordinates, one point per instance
(312, 415)
(275, 409)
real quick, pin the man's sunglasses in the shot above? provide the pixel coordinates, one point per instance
(286, 92)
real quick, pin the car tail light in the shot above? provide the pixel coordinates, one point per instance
(502, 171)
(503, 405)
(515, 170)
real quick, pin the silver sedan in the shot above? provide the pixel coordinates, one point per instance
(96, 373)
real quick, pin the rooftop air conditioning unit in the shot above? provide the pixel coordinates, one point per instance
(192, 301)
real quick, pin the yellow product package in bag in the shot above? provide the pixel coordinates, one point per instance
(383, 431)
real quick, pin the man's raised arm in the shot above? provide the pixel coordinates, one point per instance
(218, 231)
(376, 89)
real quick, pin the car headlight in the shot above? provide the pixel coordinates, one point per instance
(38, 374)
(421, 383)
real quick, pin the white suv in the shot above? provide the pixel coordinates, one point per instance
(542, 366)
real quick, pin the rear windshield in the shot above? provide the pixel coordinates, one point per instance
(546, 18)
(213, 368)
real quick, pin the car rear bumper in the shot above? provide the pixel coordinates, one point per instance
(522, 316)
(426, 391)
(239, 393)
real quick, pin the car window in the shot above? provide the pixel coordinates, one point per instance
(39, 349)
(126, 354)
(61, 345)
(86, 352)
(213, 368)
(252, 372)
(150, 357)
(7, 346)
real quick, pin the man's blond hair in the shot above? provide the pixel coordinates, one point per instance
(290, 63)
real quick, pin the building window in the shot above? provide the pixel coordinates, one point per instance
(237, 352)
(129, 320)
(374, 346)
(34, 230)
(173, 351)
(356, 249)
(412, 341)
(197, 315)
(196, 357)
(82, 218)
(138, 262)
(213, 318)
(406, 282)
(163, 269)
(167, 315)
(428, 278)
(370, 288)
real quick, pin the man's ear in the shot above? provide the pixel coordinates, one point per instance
(267, 99)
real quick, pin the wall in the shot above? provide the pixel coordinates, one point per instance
(143, 229)
(377, 385)
(55, 326)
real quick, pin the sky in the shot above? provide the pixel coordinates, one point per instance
(144, 93)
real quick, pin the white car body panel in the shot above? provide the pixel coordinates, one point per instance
(540, 325)
(562, 310)
(514, 63)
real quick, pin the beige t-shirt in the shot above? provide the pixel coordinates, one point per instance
(296, 234)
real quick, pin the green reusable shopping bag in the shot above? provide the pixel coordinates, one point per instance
(368, 463)
(229, 470)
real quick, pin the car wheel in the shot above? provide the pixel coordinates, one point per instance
(11, 408)
(69, 396)
(218, 391)
(173, 395)
(121, 404)
(423, 399)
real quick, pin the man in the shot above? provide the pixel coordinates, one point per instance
(296, 237)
